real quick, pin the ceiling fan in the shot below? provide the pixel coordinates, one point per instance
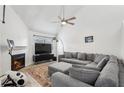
(63, 21)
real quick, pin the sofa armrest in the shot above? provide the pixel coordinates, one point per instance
(60, 56)
(82, 66)
(61, 80)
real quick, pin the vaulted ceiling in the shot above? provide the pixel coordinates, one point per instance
(40, 17)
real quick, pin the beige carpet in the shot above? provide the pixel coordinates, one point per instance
(39, 72)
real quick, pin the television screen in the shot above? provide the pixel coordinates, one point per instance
(42, 48)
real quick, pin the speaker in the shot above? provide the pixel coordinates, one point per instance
(18, 77)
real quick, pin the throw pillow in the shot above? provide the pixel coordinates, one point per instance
(102, 63)
(68, 55)
(98, 58)
(81, 56)
(74, 54)
(90, 57)
(84, 75)
(113, 58)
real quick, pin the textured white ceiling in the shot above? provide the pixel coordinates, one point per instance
(41, 17)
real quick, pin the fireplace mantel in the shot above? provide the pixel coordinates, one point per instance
(19, 47)
(18, 50)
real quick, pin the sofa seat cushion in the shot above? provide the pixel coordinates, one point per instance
(92, 65)
(81, 56)
(108, 76)
(85, 75)
(65, 59)
(85, 67)
(98, 58)
(75, 61)
(59, 79)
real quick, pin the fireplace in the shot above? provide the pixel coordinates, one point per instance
(17, 61)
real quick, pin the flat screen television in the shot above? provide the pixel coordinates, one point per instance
(42, 48)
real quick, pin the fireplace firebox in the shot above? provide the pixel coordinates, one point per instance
(17, 61)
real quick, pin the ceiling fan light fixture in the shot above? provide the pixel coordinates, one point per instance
(63, 23)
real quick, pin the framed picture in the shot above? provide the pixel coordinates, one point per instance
(88, 39)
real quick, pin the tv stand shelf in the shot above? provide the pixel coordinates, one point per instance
(41, 57)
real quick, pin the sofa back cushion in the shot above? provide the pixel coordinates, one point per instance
(90, 57)
(98, 58)
(113, 58)
(85, 75)
(81, 56)
(102, 63)
(74, 54)
(108, 76)
(68, 54)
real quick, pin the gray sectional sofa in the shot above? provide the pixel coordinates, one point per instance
(87, 73)
(94, 61)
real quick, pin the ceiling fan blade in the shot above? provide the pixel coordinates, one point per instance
(70, 23)
(72, 18)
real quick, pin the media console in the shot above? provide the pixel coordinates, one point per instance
(44, 56)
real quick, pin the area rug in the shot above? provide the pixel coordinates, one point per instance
(39, 72)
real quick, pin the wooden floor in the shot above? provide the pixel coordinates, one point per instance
(39, 72)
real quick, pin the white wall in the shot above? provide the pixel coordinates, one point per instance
(13, 29)
(0, 57)
(122, 41)
(102, 22)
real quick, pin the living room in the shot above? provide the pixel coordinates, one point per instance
(88, 29)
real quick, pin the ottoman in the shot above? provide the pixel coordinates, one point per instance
(59, 67)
